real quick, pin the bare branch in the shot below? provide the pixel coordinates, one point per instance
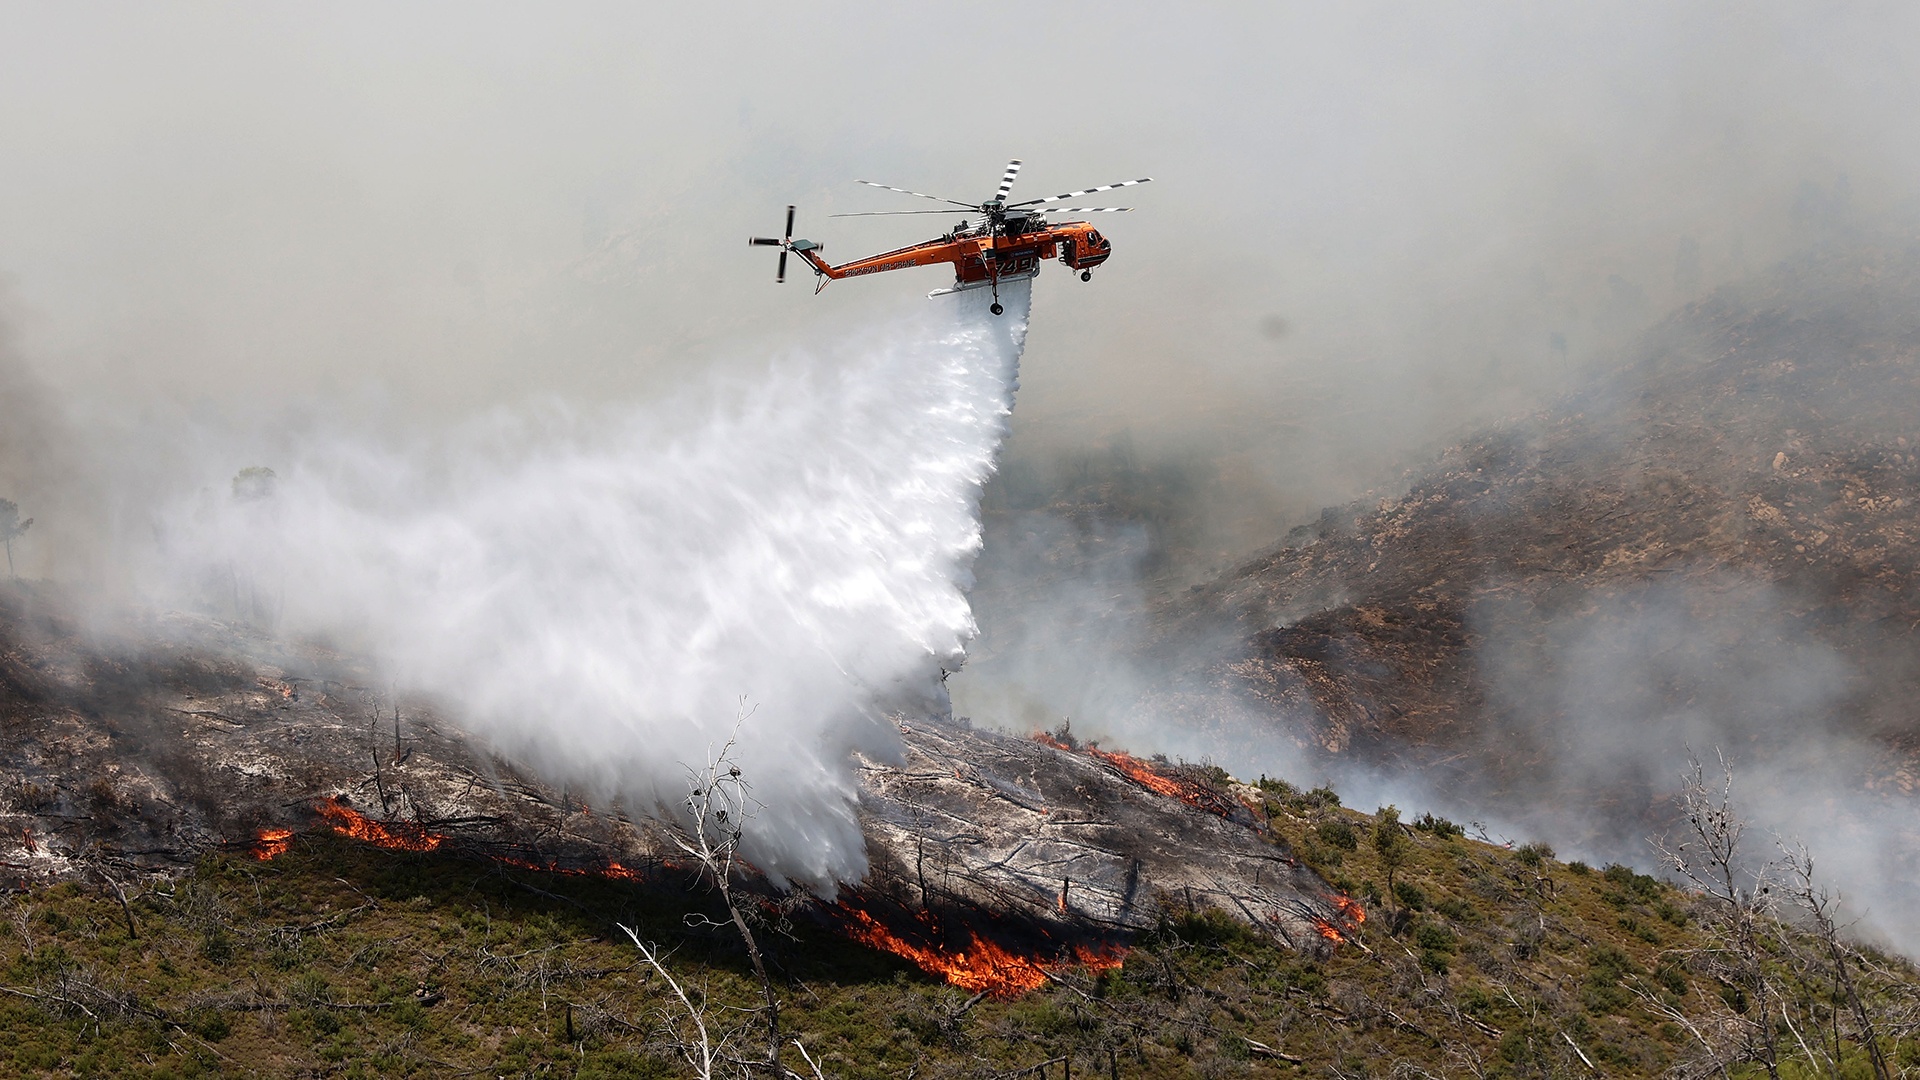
(699, 1056)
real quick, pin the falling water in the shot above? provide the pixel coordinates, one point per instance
(612, 597)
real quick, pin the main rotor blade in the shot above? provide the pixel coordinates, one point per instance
(789, 233)
(897, 213)
(763, 241)
(917, 194)
(1006, 182)
(1089, 191)
(782, 275)
(1090, 210)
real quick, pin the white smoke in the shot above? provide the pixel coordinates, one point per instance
(599, 594)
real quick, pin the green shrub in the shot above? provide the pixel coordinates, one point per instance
(308, 988)
(211, 1026)
(1531, 1051)
(216, 947)
(1606, 967)
(1612, 1055)
(1434, 936)
(1533, 854)
(1339, 834)
(1638, 929)
(1670, 976)
(1279, 788)
(1324, 860)
(1410, 895)
(1638, 886)
(1669, 913)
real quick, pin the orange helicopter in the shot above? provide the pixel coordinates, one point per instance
(1009, 242)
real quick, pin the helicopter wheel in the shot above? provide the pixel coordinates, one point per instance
(997, 310)
(1086, 275)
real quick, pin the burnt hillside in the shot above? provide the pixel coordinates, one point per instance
(1713, 546)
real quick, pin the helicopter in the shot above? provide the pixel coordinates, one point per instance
(1009, 241)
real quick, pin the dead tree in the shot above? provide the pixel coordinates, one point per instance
(718, 805)
(699, 1050)
(1710, 859)
(1820, 905)
(12, 528)
(1390, 846)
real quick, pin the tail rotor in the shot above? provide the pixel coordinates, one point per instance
(785, 245)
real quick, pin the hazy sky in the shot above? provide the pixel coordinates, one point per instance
(1370, 226)
(1365, 227)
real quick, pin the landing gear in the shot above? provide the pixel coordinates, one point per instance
(1086, 275)
(997, 309)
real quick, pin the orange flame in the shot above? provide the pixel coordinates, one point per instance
(612, 870)
(394, 836)
(1350, 909)
(1144, 774)
(403, 836)
(271, 843)
(1351, 914)
(981, 965)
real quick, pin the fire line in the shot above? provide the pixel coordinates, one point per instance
(404, 836)
(981, 966)
(1143, 773)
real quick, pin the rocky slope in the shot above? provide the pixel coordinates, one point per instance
(145, 746)
(1714, 547)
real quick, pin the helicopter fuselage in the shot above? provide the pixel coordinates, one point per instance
(981, 255)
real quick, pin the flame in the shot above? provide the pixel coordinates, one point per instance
(1143, 773)
(612, 870)
(271, 843)
(1351, 915)
(981, 965)
(1350, 909)
(394, 836)
(403, 836)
